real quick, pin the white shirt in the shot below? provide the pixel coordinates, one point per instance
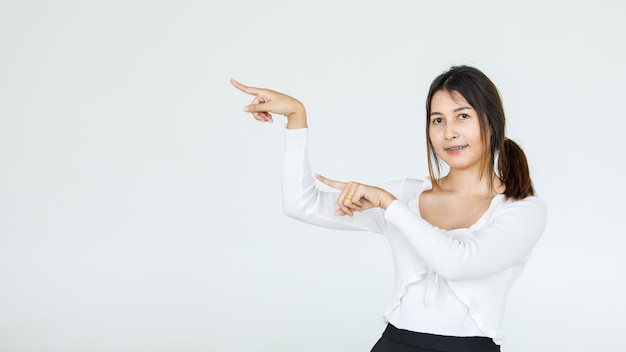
(451, 283)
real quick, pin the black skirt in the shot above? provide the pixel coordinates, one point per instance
(398, 340)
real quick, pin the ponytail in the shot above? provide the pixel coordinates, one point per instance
(513, 171)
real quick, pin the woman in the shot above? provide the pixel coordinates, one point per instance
(458, 240)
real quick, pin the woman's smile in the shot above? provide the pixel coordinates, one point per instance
(456, 148)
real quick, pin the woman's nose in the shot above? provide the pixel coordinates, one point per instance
(451, 132)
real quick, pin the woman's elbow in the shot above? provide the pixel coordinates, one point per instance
(293, 210)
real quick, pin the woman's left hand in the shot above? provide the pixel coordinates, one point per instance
(357, 196)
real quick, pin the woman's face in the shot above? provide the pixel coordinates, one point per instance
(454, 131)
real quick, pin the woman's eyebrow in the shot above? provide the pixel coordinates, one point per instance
(455, 110)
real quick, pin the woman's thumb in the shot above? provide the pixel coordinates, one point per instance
(263, 107)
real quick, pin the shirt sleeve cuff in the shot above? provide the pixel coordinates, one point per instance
(399, 213)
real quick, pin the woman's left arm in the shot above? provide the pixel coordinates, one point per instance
(506, 241)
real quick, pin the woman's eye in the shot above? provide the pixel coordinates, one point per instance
(437, 120)
(463, 116)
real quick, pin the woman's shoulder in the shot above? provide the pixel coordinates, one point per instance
(533, 206)
(530, 201)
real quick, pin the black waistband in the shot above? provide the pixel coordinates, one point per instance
(439, 342)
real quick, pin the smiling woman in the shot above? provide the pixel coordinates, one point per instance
(459, 240)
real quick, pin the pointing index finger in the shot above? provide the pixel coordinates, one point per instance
(332, 183)
(244, 88)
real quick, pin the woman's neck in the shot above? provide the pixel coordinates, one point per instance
(471, 184)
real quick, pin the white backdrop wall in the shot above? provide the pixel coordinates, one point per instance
(140, 207)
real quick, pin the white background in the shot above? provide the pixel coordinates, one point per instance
(140, 207)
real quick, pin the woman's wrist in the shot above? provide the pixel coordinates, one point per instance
(386, 200)
(297, 118)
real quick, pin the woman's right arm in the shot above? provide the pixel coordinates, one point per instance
(302, 199)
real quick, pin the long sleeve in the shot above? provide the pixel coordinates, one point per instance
(302, 200)
(507, 240)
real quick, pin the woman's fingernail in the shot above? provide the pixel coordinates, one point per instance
(246, 108)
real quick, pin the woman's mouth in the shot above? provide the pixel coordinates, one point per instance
(459, 147)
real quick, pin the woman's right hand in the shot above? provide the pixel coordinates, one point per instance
(267, 102)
